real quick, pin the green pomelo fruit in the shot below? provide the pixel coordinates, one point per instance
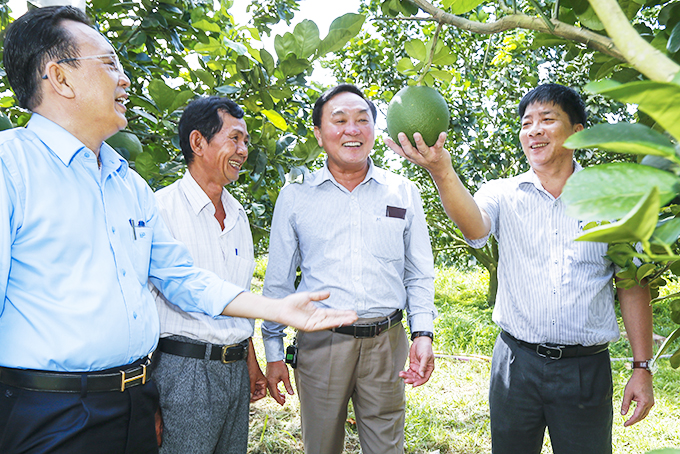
(5, 122)
(417, 109)
(126, 144)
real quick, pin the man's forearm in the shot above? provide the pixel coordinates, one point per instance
(636, 312)
(460, 206)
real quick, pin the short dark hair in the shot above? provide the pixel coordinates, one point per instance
(567, 98)
(331, 93)
(202, 115)
(33, 40)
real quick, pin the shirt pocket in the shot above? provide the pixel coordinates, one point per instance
(240, 271)
(383, 236)
(141, 250)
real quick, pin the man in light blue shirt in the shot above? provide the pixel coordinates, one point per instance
(80, 236)
(359, 231)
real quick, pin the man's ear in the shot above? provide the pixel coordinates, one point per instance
(317, 134)
(197, 142)
(578, 128)
(59, 80)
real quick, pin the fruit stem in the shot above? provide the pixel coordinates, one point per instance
(426, 68)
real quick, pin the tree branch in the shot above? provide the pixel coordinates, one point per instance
(581, 35)
(639, 53)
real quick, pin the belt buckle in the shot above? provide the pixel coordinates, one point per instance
(223, 358)
(370, 328)
(124, 381)
(548, 350)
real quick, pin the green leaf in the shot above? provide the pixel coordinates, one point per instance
(212, 48)
(461, 6)
(666, 233)
(673, 44)
(667, 343)
(645, 270)
(442, 75)
(293, 66)
(637, 225)
(415, 48)
(180, 99)
(276, 119)
(307, 37)
(664, 450)
(675, 363)
(162, 95)
(267, 61)
(675, 311)
(404, 65)
(205, 76)
(589, 19)
(286, 45)
(622, 137)
(606, 192)
(145, 165)
(659, 100)
(340, 32)
(206, 25)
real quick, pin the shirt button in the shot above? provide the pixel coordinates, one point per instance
(354, 223)
(122, 272)
(554, 292)
(555, 262)
(356, 278)
(356, 250)
(134, 314)
(113, 229)
(87, 155)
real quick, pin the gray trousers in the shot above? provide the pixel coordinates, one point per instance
(332, 368)
(204, 404)
(572, 397)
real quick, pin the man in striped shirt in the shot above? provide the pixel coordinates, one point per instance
(555, 302)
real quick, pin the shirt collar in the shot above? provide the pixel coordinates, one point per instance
(530, 177)
(65, 145)
(196, 196)
(199, 200)
(324, 174)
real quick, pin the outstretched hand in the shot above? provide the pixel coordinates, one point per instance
(434, 159)
(421, 362)
(298, 311)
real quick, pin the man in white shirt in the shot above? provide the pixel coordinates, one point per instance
(555, 296)
(207, 372)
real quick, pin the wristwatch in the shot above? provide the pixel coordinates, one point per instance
(649, 365)
(415, 334)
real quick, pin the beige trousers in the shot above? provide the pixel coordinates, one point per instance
(332, 368)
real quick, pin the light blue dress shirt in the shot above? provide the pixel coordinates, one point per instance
(345, 242)
(550, 287)
(78, 245)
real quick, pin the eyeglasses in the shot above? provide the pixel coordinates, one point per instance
(109, 59)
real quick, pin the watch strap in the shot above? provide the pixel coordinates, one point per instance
(415, 334)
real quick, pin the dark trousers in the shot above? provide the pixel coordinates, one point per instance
(74, 423)
(572, 397)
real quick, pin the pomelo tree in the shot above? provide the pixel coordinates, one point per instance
(175, 50)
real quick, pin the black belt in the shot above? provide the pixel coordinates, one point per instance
(73, 382)
(372, 329)
(556, 351)
(225, 353)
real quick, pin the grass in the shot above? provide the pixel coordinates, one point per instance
(450, 414)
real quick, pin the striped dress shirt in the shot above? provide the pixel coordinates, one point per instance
(550, 287)
(190, 217)
(369, 247)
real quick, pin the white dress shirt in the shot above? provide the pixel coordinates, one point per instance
(550, 288)
(190, 217)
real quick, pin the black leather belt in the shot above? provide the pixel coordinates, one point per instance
(225, 353)
(556, 351)
(371, 329)
(72, 382)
